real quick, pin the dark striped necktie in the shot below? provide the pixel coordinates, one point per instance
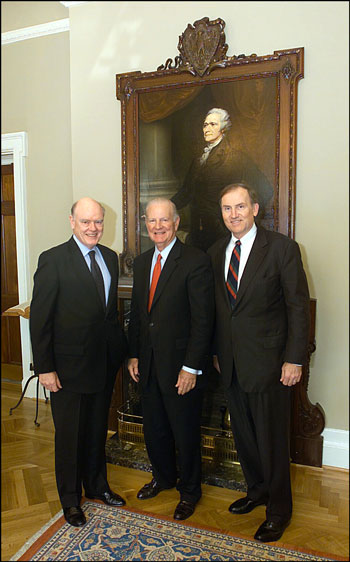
(232, 275)
(98, 277)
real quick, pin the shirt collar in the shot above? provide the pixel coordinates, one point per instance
(84, 249)
(247, 237)
(164, 252)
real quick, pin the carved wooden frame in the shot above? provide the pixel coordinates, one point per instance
(203, 62)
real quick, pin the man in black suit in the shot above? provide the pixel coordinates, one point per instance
(262, 326)
(78, 347)
(170, 329)
(218, 165)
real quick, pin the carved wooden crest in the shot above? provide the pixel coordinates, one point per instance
(201, 46)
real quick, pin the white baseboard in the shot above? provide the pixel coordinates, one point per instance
(336, 448)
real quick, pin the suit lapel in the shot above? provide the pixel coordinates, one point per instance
(147, 257)
(220, 265)
(167, 270)
(256, 256)
(81, 269)
(113, 273)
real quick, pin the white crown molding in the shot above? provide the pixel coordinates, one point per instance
(69, 4)
(34, 31)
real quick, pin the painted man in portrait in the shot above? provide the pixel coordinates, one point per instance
(219, 164)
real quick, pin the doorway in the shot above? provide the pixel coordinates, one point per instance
(11, 355)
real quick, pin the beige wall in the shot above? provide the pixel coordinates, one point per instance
(114, 37)
(36, 99)
(16, 15)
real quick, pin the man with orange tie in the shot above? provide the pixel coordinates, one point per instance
(171, 322)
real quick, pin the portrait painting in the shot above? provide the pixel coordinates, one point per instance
(204, 121)
(195, 141)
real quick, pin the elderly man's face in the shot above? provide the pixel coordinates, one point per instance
(160, 223)
(87, 222)
(211, 128)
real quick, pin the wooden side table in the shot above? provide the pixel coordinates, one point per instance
(23, 310)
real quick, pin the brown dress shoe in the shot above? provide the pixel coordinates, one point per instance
(74, 516)
(150, 490)
(184, 509)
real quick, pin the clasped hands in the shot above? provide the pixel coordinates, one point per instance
(185, 381)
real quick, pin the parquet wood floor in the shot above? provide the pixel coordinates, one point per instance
(29, 496)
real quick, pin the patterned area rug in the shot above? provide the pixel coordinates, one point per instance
(127, 534)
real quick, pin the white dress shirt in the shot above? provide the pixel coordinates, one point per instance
(99, 259)
(247, 242)
(164, 254)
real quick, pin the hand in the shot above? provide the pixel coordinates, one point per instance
(133, 368)
(50, 381)
(291, 374)
(216, 363)
(186, 381)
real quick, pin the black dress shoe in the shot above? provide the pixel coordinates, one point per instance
(74, 516)
(184, 509)
(245, 505)
(270, 531)
(109, 498)
(150, 490)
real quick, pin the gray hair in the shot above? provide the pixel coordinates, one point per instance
(225, 122)
(158, 200)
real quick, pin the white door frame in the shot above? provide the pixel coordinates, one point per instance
(15, 146)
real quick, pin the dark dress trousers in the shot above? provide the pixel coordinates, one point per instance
(72, 334)
(175, 333)
(268, 325)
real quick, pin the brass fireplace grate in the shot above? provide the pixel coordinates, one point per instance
(217, 444)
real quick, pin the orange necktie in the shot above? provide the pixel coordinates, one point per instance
(156, 273)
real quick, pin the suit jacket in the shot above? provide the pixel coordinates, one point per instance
(203, 184)
(269, 323)
(178, 329)
(71, 333)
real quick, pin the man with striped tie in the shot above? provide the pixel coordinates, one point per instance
(262, 327)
